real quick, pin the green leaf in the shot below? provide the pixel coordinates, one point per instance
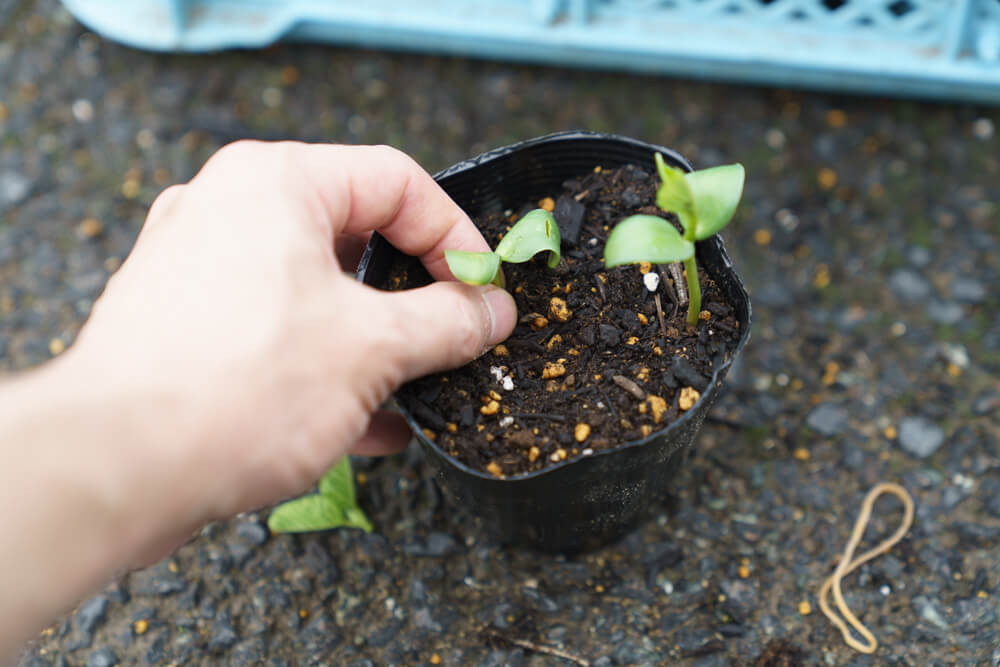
(645, 238)
(675, 193)
(473, 268)
(338, 484)
(334, 506)
(717, 192)
(308, 513)
(355, 517)
(535, 232)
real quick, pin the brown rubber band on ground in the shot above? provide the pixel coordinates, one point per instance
(846, 565)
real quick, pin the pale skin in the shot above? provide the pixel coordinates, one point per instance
(229, 362)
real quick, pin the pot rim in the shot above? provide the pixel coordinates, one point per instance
(574, 135)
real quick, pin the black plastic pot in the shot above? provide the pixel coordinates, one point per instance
(589, 501)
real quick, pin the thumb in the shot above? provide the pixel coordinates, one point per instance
(447, 324)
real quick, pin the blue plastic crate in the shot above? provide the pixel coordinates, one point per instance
(932, 48)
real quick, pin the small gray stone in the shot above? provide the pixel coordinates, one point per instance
(102, 657)
(91, 613)
(557, 634)
(771, 625)
(919, 256)
(117, 593)
(155, 653)
(662, 555)
(157, 581)
(952, 496)
(698, 642)
(986, 402)
(207, 608)
(14, 187)
(741, 599)
(239, 552)
(928, 610)
(252, 532)
(989, 491)
(944, 312)
(852, 457)
(435, 546)
(223, 634)
(919, 436)
(827, 419)
(629, 653)
(319, 637)
(424, 620)
(909, 285)
(249, 652)
(441, 544)
(731, 630)
(82, 640)
(539, 600)
(967, 290)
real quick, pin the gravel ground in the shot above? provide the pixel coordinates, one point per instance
(869, 237)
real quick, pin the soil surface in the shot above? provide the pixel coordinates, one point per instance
(589, 365)
(869, 236)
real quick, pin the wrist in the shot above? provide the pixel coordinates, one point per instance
(87, 495)
(137, 443)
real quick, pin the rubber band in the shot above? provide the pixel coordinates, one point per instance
(846, 565)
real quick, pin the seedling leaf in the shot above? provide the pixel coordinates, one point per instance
(308, 513)
(355, 517)
(645, 238)
(674, 193)
(717, 192)
(473, 268)
(533, 233)
(338, 484)
(334, 506)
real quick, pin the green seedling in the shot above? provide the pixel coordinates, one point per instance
(335, 505)
(704, 202)
(536, 232)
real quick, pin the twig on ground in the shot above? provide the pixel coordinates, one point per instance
(659, 315)
(532, 646)
(537, 415)
(677, 273)
(630, 386)
(668, 287)
(600, 289)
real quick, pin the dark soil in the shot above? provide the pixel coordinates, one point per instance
(584, 331)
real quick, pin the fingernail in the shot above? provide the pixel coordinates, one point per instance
(503, 313)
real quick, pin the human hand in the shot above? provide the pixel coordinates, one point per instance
(258, 362)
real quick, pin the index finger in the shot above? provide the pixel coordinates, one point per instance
(379, 188)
